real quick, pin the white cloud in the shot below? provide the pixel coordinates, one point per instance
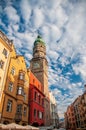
(12, 14)
(37, 18)
(2, 24)
(55, 33)
(53, 55)
(15, 27)
(64, 61)
(29, 56)
(76, 24)
(80, 67)
(25, 10)
(61, 17)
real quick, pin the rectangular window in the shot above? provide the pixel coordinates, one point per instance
(13, 71)
(10, 87)
(25, 111)
(42, 102)
(21, 76)
(5, 52)
(35, 95)
(34, 112)
(1, 64)
(25, 96)
(40, 115)
(9, 106)
(19, 108)
(39, 99)
(20, 91)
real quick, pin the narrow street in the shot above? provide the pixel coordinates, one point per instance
(48, 128)
(61, 129)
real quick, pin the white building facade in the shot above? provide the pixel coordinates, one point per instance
(54, 119)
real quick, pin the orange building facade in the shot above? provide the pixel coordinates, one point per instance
(70, 121)
(75, 116)
(80, 111)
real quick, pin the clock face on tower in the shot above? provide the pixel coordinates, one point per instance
(36, 65)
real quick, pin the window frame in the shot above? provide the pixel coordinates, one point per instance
(21, 75)
(19, 108)
(35, 95)
(25, 111)
(10, 86)
(13, 71)
(9, 106)
(1, 64)
(25, 96)
(35, 112)
(20, 91)
(39, 98)
(5, 52)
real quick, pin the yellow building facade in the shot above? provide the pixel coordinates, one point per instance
(15, 101)
(5, 53)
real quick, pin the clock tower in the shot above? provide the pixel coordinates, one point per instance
(39, 64)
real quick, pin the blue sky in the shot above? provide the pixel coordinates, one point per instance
(62, 24)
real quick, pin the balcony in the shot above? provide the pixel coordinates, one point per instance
(21, 77)
(18, 117)
(21, 82)
(20, 93)
(20, 97)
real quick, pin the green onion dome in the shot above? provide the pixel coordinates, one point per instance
(39, 40)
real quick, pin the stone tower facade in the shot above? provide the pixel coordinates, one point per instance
(39, 64)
